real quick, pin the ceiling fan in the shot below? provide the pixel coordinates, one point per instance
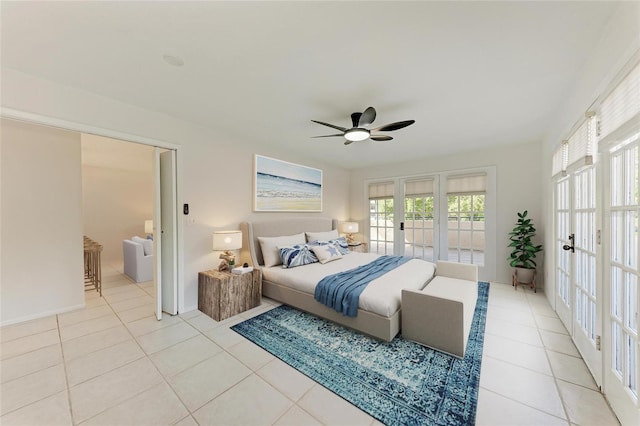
(357, 133)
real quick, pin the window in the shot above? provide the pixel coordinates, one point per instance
(466, 218)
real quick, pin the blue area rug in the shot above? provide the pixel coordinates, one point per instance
(399, 382)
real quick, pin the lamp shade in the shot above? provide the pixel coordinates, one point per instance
(350, 227)
(227, 240)
(148, 227)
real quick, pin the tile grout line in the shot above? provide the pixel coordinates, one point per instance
(555, 379)
(66, 376)
(145, 355)
(524, 404)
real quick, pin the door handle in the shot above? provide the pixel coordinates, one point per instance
(571, 247)
(402, 226)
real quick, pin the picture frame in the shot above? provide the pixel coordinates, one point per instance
(281, 186)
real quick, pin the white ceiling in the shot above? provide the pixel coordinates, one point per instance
(472, 74)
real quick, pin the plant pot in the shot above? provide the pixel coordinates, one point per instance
(524, 275)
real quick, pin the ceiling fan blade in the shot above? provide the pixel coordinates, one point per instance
(394, 126)
(344, 129)
(329, 136)
(381, 138)
(368, 116)
(347, 142)
(355, 118)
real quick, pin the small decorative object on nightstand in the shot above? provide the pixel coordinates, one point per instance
(358, 247)
(222, 295)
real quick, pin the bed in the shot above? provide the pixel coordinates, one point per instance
(378, 312)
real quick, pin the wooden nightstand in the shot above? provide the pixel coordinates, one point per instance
(359, 248)
(222, 295)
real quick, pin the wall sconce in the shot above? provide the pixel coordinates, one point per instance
(350, 228)
(226, 241)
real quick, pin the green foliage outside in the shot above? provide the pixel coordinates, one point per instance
(471, 207)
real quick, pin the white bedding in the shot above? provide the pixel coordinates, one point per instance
(382, 296)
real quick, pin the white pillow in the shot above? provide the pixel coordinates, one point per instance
(326, 253)
(270, 250)
(138, 240)
(147, 246)
(322, 236)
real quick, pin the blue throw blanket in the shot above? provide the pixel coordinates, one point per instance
(342, 291)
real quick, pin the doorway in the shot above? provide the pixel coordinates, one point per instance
(35, 119)
(136, 187)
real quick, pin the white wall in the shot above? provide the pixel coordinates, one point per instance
(517, 188)
(42, 255)
(619, 42)
(217, 168)
(117, 192)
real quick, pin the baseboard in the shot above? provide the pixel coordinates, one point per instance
(41, 315)
(188, 309)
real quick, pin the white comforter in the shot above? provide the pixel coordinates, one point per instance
(382, 296)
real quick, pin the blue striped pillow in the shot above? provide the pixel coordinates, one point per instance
(297, 255)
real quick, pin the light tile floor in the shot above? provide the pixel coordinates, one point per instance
(112, 363)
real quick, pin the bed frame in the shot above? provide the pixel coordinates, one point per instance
(366, 322)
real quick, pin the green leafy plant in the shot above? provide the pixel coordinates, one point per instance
(524, 251)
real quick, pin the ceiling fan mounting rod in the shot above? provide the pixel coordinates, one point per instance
(355, 118)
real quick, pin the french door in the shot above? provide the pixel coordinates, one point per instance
(416, 233)
(577, 290)
(442, 216)
(621, 273)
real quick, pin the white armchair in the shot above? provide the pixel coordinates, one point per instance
(138, 265)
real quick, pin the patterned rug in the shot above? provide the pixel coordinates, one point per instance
(399, 382)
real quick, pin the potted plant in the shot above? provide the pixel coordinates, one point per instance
(524, 251)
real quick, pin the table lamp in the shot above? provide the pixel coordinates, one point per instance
(350, 228)
(148, 228)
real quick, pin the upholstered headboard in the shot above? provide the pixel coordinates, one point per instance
(251, 251)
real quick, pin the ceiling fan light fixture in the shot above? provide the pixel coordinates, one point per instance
(356, 134)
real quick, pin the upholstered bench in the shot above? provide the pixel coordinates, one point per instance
(440, 315)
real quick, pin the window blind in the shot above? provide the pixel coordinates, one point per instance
(580, 146)
(559, 160)
(419, 187)
(622, 104)
(467, 184)
(381, 190)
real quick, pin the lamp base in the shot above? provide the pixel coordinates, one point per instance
(225, 266)
(350, 238)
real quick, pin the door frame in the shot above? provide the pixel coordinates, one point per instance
(29, 117)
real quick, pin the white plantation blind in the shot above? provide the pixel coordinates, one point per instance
(580, 147)
(622, 104)
(559, 160)
(419, 187)
(467, 184)
(381, 190)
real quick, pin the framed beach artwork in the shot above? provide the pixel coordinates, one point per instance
(280, 186)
